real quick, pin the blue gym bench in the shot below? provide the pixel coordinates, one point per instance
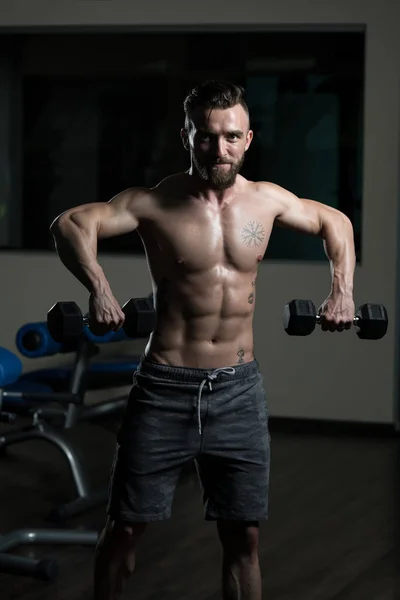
(45, 569)
(36, 393)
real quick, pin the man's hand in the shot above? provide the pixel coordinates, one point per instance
(337, 312)
(105, 313)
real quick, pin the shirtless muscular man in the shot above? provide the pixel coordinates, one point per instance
(198, 392)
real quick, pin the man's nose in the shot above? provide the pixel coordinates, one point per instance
(220, 148)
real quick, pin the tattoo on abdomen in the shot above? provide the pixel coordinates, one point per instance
(253, 234)
(250, 299)
(240, 356)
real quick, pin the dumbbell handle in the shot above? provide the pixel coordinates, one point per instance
(356, 320)
(86, 321)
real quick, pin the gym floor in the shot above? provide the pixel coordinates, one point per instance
(332, 533)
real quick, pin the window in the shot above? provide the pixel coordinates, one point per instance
(107, 115)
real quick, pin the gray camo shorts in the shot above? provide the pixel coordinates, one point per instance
(218, 417)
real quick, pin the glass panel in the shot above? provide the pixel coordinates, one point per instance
(90, 132)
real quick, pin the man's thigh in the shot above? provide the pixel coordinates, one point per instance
(158, 436)
(234, 464)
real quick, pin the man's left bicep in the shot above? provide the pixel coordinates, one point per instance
(303, 215)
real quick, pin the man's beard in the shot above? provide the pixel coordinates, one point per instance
(218, 179)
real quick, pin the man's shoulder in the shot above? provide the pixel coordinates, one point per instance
(171, 183)
(171, 191)
(269, 189)
(273, 196)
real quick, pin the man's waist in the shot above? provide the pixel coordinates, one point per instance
(150, 366)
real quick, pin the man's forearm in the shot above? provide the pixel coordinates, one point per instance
(77, 251)
(337, 233)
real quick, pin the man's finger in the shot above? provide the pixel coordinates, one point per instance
(324, 324)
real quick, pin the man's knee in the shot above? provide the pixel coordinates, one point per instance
(239, 539)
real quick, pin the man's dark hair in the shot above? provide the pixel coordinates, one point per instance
(214, 94)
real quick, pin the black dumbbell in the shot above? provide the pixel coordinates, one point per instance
(300, 318)
(65, 321)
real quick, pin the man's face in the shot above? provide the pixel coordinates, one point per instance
(217, 140)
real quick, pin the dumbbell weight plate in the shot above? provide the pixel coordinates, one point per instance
(65, 321)
(299, 317)
(140, 317)
(373, 321)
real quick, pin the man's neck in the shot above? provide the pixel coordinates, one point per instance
(203, 190)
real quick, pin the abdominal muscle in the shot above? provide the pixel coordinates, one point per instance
(203, 324)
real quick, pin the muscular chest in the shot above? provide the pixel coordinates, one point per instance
(200, 237)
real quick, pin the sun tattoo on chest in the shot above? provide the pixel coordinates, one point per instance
(253, 234)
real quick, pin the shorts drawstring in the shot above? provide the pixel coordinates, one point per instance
(209, 379)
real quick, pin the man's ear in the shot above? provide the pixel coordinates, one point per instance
(249, 139)
(185, 138)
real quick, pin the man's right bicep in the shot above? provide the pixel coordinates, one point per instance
(102, 219)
